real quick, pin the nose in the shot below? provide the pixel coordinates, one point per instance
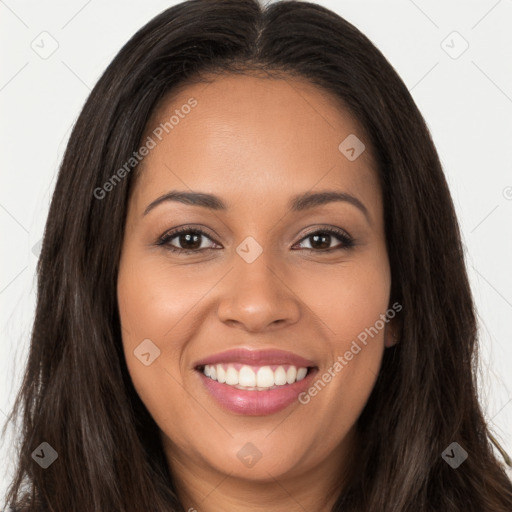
(256, 297)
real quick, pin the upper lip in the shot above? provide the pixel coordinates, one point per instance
(256, 358)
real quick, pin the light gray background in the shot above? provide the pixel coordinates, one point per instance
(466, 101)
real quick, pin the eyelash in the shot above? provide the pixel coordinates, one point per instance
(347, 241)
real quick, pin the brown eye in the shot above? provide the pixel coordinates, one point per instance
(187, 240)
(320, 240)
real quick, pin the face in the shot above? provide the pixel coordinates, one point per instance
(263, 284)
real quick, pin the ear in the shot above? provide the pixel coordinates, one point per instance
(392, 333)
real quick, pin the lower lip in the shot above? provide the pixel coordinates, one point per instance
(256, 403)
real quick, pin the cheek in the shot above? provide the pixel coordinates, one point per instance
(349, 303)
(348, 298)
(159, 303)
(155, 298)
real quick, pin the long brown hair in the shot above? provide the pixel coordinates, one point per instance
(77, 394)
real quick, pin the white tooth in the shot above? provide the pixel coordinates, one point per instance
(247, 377)
(280, 376)
(301, 373)
(265, 377)
(291, 375)
(231, 376)
(221, 374)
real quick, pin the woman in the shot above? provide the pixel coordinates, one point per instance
(252, 292)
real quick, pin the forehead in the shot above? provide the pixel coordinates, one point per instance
(255, 137)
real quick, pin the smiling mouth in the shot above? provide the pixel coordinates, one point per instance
(255, 382)
(255, 378)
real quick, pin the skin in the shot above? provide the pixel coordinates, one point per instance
(255, 142)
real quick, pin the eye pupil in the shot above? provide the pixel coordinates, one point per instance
(324, 245)
(188, 237)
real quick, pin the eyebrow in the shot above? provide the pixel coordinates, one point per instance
(297, 203)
